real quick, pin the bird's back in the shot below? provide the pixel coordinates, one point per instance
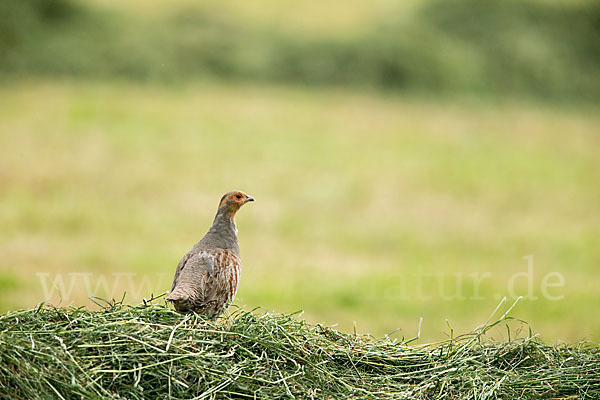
(206, 282)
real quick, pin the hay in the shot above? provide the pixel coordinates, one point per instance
(149, 351)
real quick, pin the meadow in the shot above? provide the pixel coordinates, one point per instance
(373, 209)
(538, 49)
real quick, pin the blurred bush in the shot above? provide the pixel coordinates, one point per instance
(505, 47)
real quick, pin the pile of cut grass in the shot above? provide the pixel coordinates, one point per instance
(150, 351)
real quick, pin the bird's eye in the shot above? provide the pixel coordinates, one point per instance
(239, 196)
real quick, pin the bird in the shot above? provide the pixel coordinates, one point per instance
(207, 277)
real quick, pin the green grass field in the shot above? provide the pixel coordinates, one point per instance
(372, 211)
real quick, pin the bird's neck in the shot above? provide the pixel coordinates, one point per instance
(224, 222)
(223, 232)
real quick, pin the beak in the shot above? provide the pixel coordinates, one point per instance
(250, 198)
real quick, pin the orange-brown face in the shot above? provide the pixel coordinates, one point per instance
(234, 200)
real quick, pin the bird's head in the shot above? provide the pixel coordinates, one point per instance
(232, 201)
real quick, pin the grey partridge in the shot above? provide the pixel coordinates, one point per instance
(207, 277)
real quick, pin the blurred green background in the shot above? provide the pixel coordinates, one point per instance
(405, 156)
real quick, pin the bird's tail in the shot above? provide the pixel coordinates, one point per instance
(177, 295)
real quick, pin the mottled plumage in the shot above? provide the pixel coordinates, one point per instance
(207, 277)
